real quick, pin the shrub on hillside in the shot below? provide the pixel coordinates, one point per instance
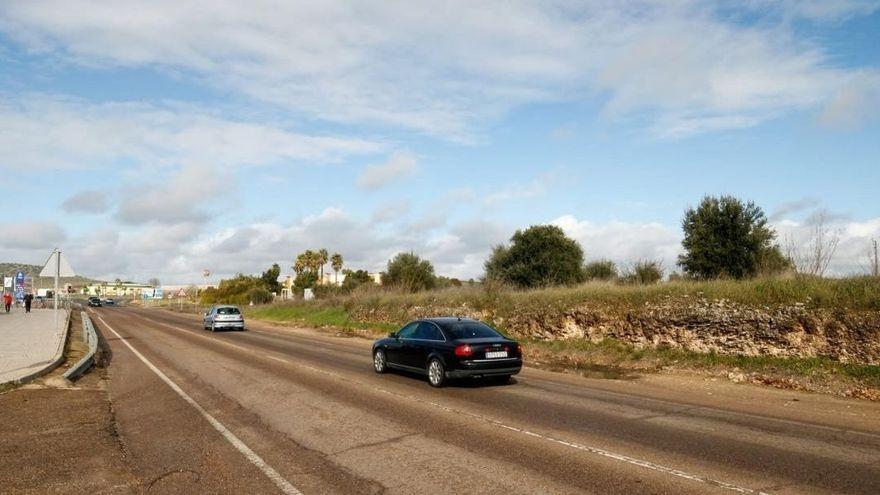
(355, 279)
(270, 278)
(241, 289)
(257, 295)
(409, 272)
(600, 270)
(644, 272)
(725, 237)
(539, 256)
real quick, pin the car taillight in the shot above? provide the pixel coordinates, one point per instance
(518, 349)
(464, 351)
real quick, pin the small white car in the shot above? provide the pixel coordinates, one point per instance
(222, 317)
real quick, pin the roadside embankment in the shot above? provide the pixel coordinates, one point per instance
(789, 333)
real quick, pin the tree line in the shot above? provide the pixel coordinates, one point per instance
(724, 237)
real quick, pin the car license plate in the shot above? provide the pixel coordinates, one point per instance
(496, 354)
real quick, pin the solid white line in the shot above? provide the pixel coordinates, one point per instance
(585, 448)
(285, 486)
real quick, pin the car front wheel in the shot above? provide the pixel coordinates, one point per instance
(379, 361)
(436, 373)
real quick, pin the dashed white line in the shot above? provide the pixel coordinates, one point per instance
(585, 448)
(284, 485)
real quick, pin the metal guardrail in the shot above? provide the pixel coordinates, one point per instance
(90, 337)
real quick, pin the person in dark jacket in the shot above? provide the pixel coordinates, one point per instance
(28, 299)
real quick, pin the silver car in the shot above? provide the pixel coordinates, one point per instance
(220, 317)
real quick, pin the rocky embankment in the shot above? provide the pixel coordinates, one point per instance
(690, 323)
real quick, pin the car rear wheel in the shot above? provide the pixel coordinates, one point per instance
(380, 364)
(436, 373)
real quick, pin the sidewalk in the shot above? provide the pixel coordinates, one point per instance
(29, 342)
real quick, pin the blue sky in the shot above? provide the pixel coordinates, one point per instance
(155, 139)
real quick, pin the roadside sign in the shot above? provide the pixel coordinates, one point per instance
(52, 266)
(19, 286)
(181, 293)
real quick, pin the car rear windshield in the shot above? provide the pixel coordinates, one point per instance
(227, 311)
(470, 330)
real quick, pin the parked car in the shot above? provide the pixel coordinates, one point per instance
(220, 317)
(109, 302)
(444, 348)
(95, 302)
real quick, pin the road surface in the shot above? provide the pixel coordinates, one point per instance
(277, 410)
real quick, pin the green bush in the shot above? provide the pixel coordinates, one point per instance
(539, 256)
(355, 279)
(725, 237)
(644, 272)
(408, 272)
(600, 270)
(242, 289)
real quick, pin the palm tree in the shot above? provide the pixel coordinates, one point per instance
(299, 265)
(336, 263)
(323, 257)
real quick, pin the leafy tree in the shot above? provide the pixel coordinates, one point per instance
(409, 272)
(154, 282)
(600, 270)
(725, 237)
(539, 256)
(305, 280)
(336, 263)
(269, 278)
(258, 295)
(356, 278)
(307, 261)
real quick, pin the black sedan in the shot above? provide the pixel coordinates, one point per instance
(444, 348)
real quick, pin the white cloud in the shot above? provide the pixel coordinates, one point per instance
(682, 67)
(400, 164)
(534, 188)
(181, 200)
(624, 242)
(850, 256)
(31, 236)
(53, 132)
(854, 103)
(86, 201)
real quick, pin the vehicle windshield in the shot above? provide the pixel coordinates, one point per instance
(470, 330)
(227, 311)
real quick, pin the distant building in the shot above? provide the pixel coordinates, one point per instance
(287, 289)
(122, 289)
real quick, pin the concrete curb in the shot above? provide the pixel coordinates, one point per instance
(51, 365)
(90, 337)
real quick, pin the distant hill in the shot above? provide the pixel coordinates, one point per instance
(9, 270)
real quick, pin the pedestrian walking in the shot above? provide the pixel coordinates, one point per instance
(7, 301)
(28, 299)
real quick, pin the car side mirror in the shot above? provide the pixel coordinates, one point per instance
(393, 335)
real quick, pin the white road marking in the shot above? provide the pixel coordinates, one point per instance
(585, 448)
(284, 485)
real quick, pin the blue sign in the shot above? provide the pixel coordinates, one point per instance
(157, 293)
(19, 286)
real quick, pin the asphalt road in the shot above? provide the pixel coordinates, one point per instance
(276, 410)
